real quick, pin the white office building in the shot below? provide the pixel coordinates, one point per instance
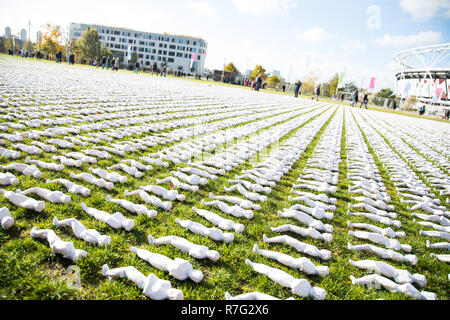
(183, 53)
(23, 35)
(7, 32)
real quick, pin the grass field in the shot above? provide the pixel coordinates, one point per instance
(30, 270)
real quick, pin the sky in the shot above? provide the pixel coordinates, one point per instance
(299, 38)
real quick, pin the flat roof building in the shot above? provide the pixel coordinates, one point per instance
(178, 52)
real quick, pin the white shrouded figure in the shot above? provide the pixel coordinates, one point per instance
(80, 231)
(317, 197)
(210, 170)
(163, 192)
(155, 161)
(52, 196)
(180, 269)
(255, 295)
(316, 212)
(312, 203)
(253, 196)
(177, 184)
(374, 217)
(152, 286)
(110, 176)
(45, 165)
(23, 201)
(400, 276)
(89, 178)
(301, 247)
(81, 157)
(133, 207)
(441, 257)
(97, 153)
(68, 161)
(116, 220)
(191, 179)
(235, 211)
(432, 218)
(166, 205)
(23, 168)
(304, 232)
(194, 250)
(302, 264)
(391, 286)
(426, 207)
(244, 204)
(306, 220)
(436, 234)
(373, 210)
(65, 248)
(46, 147)
(255, 187)
(387, 254)
(388, 232)
(6, 220)
(375, 203)
(132, 171)
(381, 239)
(319, 186)
(218, 221)
(10, 154)
(198, 172)
(376, 195)
(72, 187)
(138, 165)
(7, 179)
(435, 226)
(261, 181)
(213, 233)
(300, 287)
(438, 245)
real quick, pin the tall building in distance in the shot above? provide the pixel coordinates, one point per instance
(23, 35)
(38, 36)
(275, 73)
(7, 32)
(178, 52)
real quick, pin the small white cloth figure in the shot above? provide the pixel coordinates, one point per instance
(244, 204)
(300, 246)
(116, 220)
(381, 239)
(163, 192)
(391, 286)
(194, 250)
(376, 218)
(80, 231)
(23, 168)
(382, 268)
(302, 264)
(218, 221)
(441, 257)
(177, 184)
(152, 286)
(110, 176)
(304, 232)
(388, 232)
(300, 287)
(132, 171)
(138, 165)
(7, 179)
(23, 201)
(52, 196)
(6, 220)
(213, 233)
(252, 296)
(133, 207)
(384, 253)
(438, 245)
(180, 269)
(89, 178)
(306, 220)
(45, 165)
(235, 211)
(72, 187)
(65, 248)
(437, 234)
(68, 161)
(166, 205)
(191, 179)
(253, 196)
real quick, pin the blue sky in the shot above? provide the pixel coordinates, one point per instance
(359, 37)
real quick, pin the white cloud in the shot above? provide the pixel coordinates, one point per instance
(420, 39)
(262, 7)
(203, 8)
(316, 34)
(426, 9)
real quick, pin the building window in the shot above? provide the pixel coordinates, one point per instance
(159, 58)
(160, 45)
(164, 59)
(164, 52)
(187, 41)
(198, 57)
(141, 56)
(170, 60)
(165, 46)
(159, 51)
(179, 54)
(180, 41)
(194, 43)
(152, 57)
(77, 34)
(152, 44)
(172, 53)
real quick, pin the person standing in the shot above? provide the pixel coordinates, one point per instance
(298, 84)
(354, 98)
(364, 100)
(103, 62)
(317, 92)
(137, 65)
(258, 82)
(116, 64)
(107, 63)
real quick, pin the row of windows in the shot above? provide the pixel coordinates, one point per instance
(147, 50)
(152, 44)
(154, 37)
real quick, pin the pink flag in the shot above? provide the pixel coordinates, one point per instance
(437, 94)
(193, 56)
(372, 83)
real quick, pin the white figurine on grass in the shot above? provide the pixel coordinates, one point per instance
(133, 207)
(116, 220)
(218, 221)
(23, 201)
(72, 187)
(6, 220)
(302, 247)
(213, 233)
(80, 231)
(52, 196)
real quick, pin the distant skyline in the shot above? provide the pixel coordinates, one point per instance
(358, 37)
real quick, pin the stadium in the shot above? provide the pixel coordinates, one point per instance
(424, 72)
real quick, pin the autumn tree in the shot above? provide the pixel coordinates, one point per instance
(259, 70)
(89, 44)
(273, 81)
(309, 84)
(334, 84)
(231, 68)
(106, 52)
(51, 39)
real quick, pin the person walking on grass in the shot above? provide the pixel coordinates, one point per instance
(103, 62)
(354, 98)
(137, 65)
(364, 100)
(298, 85)
(317, 93)
(116, 64)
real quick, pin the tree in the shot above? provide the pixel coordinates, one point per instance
(231, 68)
(89, 44)
(309, 85)
(273, 81)
(350, 87)
(106, 52)
(51, 39)
(259, 70)
(385, 93)
(333, 84)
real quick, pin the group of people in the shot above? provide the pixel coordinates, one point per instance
(355, 98)
(113, 63)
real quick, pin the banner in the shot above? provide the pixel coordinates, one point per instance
(437, 94)
(129, 51)
(372, 84)
(341, 80)
(406, 90)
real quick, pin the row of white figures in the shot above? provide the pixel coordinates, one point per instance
(402, 279)
(24, 169)
(414, 191)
